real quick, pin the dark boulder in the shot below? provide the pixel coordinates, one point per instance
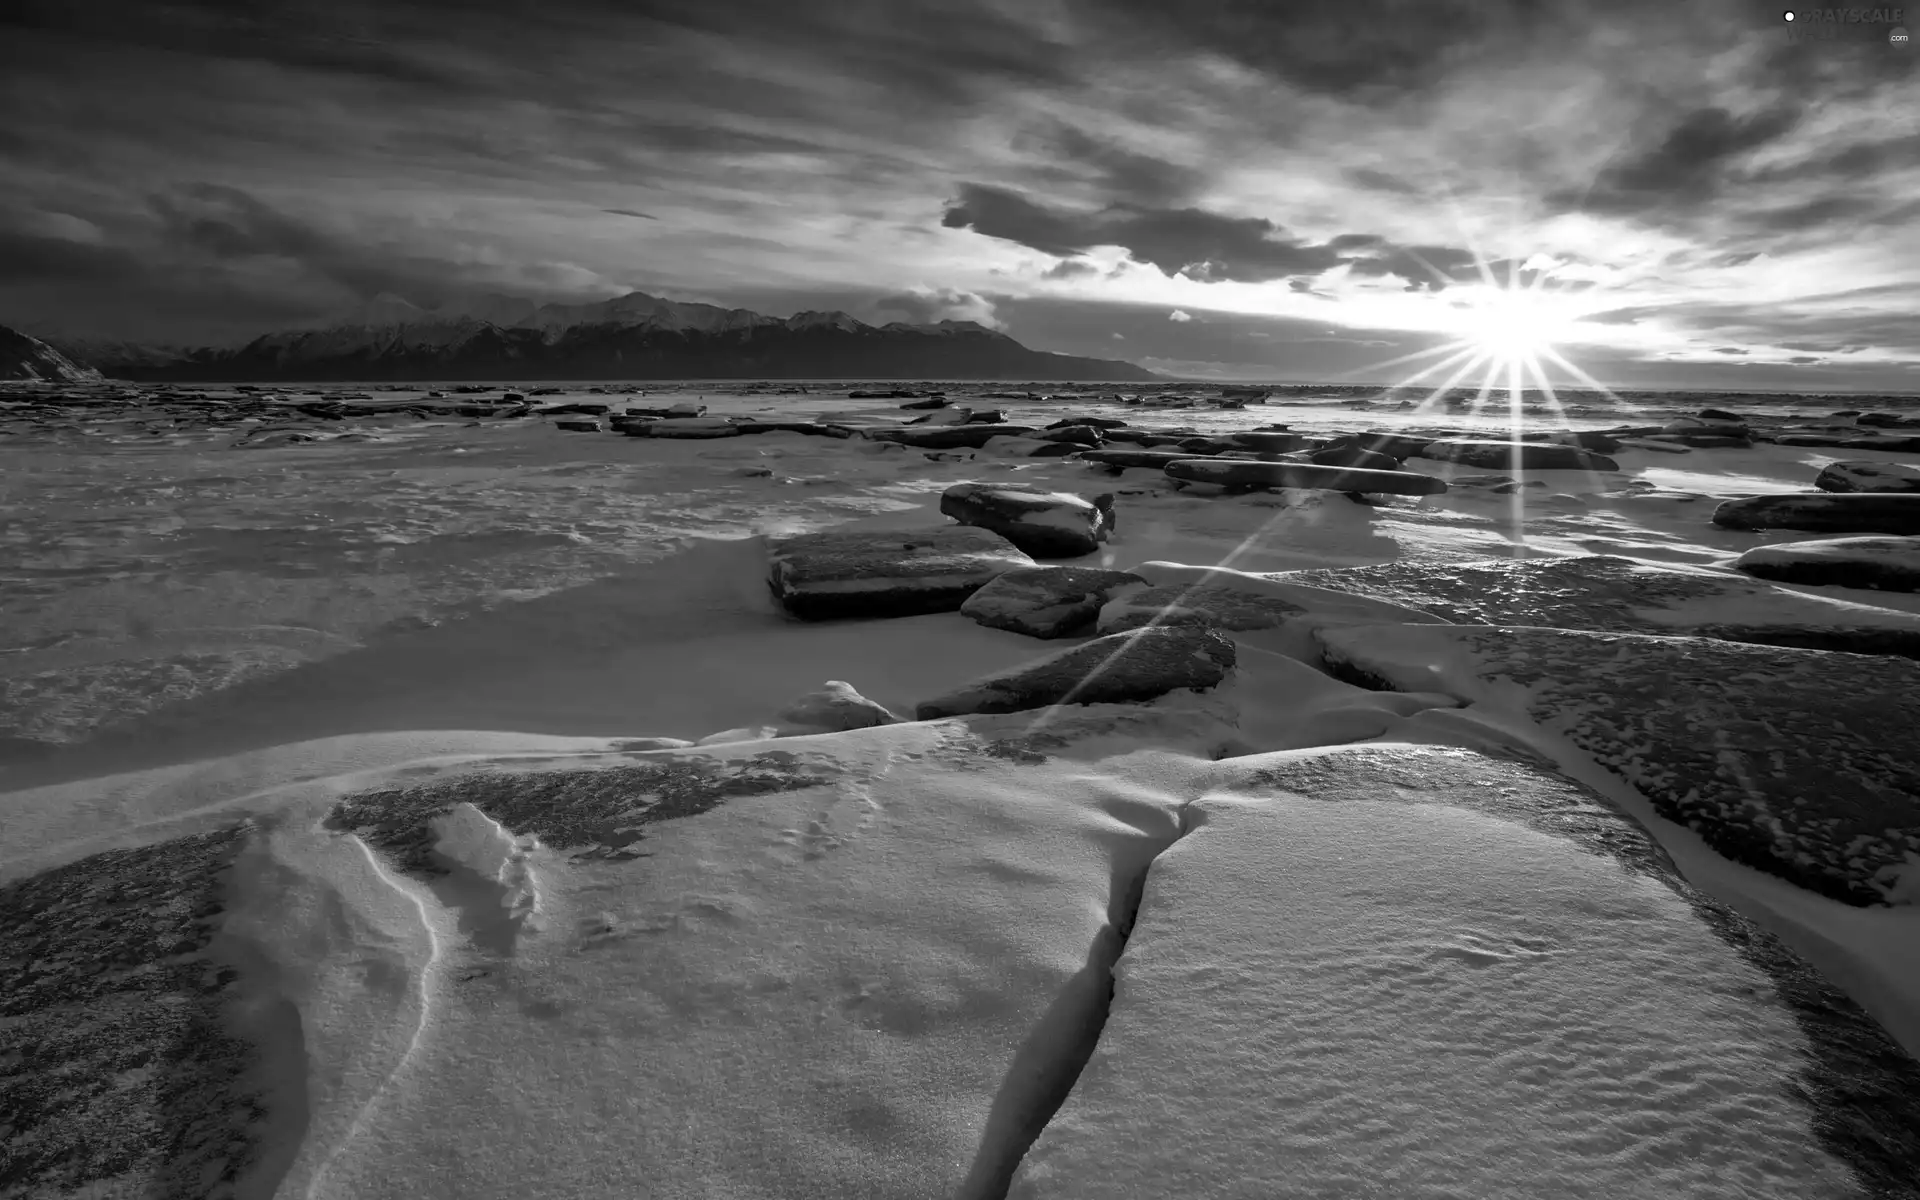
(1825, 512)
(1868, 477)
(1890, 564)
(1142, 664)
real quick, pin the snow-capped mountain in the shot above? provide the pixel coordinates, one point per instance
(635, 336)
(29, 358)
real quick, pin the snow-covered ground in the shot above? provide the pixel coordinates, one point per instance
(487, 941)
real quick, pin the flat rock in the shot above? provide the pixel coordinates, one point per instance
(671, 410)
(821, 576)
(1516, 456)
(1231, 474)
(1121, 459)
(1717, 735)
(810, 428)
(952, 437)
(1868, 477)
(1026, 447)
(1889, 564)
(1399, 971)
(1268, 442)
(1843, 441)
(1355, 456)
(683, 427)
(1609, 594)
(1393, 445)
(579, 426)
(1102, 423)
(1655, 445)
(1046, 602)
(1825, 512)
(1044, 523)
(1124, 667)
(1083, 435)
(1215, 605)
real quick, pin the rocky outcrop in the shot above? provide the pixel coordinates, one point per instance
(1869, 477)
(1716, 734)
(821, 576)
(1044, 523)
(1046, 602)
(1141, 665)
(1825, 512)
(1890, 564)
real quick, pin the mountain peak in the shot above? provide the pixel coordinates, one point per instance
(814, 319)
(29, 358)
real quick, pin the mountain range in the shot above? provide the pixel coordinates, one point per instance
(635, 336)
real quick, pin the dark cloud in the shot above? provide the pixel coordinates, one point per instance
(31, 258)
(630, 212)
(1122, 176)
(1803, 358)
(1352, 48)
(1687, 164)
(929, 306)
(1381, 181)
(1730, 350)
(1203, 246)
(1070, 268)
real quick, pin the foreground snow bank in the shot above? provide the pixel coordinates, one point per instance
(1426, 974)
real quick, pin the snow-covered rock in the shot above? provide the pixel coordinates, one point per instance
(1042, 522)
(1138, 665)
(892, 573)
(1886, 563)
(1546, 1009)
(1046, 602)
(834, 708)
(1869, 477)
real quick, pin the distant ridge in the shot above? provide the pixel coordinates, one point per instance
(635, 336)
(29, 358)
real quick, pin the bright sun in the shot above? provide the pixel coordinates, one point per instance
(1508, 325)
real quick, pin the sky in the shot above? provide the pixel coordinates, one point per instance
(1666, 193)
